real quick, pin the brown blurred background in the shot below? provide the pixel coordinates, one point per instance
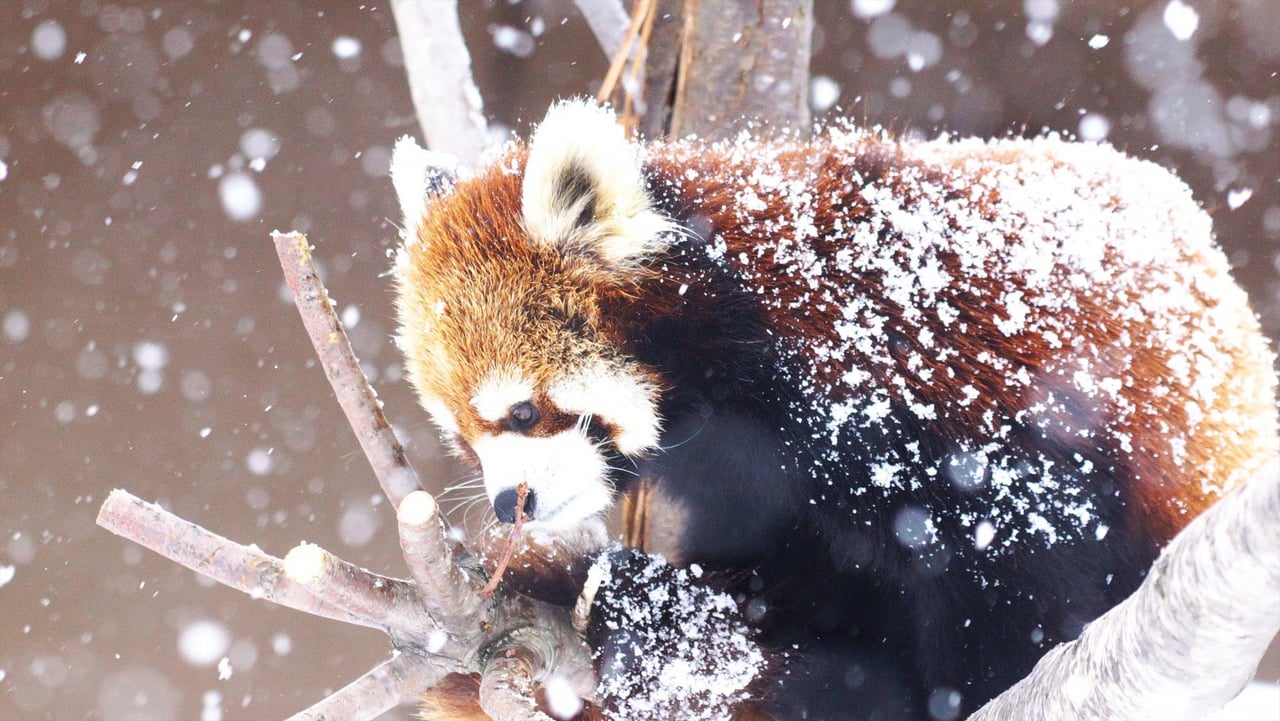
(147, 149)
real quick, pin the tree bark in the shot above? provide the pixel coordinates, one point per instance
(743, 67)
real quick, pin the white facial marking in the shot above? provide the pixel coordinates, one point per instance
(441, 414)
(496, 394)
(565, 472)
(617, 397)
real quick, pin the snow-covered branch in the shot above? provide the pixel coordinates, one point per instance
(438, 67)
(244, 568)
(358, 400)
(1187, 640)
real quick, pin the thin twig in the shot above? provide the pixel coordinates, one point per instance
(522, 492)
(623, 52)
(358, 401)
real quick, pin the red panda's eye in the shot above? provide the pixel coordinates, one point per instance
(523, 416)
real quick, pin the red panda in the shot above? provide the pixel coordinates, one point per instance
(924, 409)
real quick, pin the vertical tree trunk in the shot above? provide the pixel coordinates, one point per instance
(713, 69)
(740, 66)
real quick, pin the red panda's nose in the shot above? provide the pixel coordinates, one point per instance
(504, 505)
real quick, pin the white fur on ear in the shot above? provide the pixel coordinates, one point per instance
(417, 175)
(583, 187)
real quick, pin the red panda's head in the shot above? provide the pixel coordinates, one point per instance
(501, 284)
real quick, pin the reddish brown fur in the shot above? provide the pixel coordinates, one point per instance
(506, 301)
(1240, 428)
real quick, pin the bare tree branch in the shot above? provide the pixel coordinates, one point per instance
(389, 602)
(608, 21)
(354, 394)
(524, 659)
(244, 568)
(438, 624)
(431, 562)
(662, 55)
(1187, 640)
(438, 67)
(387, 685)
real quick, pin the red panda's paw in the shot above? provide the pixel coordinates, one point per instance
(667, 645)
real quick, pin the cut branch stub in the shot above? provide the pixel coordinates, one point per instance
(447, 592)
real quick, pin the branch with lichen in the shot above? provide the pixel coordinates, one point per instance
(441, 621)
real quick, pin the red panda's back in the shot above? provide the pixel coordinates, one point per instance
(987, 285)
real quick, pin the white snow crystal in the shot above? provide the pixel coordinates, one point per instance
(1181, 19)
(259, 461)
(49, 40)
(281, 644)
(867, 9)
(1237, 198)
(358, 524)
(150, 355)
(241, 198)
(1093, 127)
(562, 700)
(211, 708)
(203, 642)
(346, 47)
(17, 324)
(259, 143)
(823, 92)
(983, 534)
(512, 40)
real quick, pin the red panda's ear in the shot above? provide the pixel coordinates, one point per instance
(419, 175)
(584, 191)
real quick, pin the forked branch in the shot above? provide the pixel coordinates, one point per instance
(439, 623)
